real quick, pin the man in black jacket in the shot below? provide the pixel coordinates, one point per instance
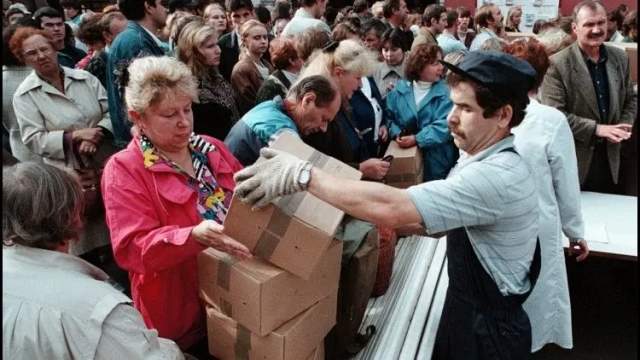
(241, 11)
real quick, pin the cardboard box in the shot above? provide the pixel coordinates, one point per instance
(318, 353)
(295, 232)
(632, 51)
(260, 296)
(406, 168)
(294, 340)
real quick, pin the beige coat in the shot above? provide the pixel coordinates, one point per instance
(57, 306)
(568, 87)
(44, 113)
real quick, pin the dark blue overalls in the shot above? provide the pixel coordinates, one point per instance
(477, 321)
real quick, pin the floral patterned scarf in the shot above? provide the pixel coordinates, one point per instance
(212, 201)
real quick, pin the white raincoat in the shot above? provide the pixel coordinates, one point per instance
(545, 141)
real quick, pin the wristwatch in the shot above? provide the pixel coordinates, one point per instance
(304, 177)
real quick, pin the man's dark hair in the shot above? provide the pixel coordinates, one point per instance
(591, 4)
(431, 12)
(484, 15)
(263, 15)
(490, 102)
(28, 21)
(134, 9)
(330, 14)
(183, 5)
(235, 5)
(319, 85)
(452, 18)
(307, 3)
(71, 4)
(397, 39)
(374, 25)
(360, 6)
(616, 16)
(46, 11)
(389, 7)
(463, 12)
(281, 10)
(630, 22)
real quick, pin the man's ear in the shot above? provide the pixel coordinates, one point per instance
(505, 115)
(308, 99)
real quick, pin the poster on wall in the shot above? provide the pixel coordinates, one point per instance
(532, 10)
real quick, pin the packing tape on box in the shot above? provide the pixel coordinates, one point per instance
(270, 237)
(226, 308)
(243, 343)
(280, 219)
(224, 271)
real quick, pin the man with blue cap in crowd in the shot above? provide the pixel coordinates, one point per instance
(487, 205)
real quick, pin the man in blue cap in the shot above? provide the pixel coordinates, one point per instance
(487, 205)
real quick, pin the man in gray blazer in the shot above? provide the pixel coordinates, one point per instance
(590, 82)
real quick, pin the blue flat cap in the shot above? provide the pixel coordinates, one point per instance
(501, 73)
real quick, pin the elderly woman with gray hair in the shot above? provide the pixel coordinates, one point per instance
(166, 196)
(56, 305)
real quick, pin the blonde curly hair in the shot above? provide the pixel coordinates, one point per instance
(153, 78)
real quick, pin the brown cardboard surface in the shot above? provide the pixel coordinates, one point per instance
(260, 296)
(295, 232)
(632, 51)
(318, 353)
(294, 340)
(406, 168)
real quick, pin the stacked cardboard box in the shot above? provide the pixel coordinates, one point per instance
(282, 303)
(406, 167)
(298, 338)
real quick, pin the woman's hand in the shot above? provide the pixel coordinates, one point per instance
(374, 169)
(209, 233)
(89, 134)
(383, 134)
(406, 141)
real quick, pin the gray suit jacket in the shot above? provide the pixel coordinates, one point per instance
(567, 86)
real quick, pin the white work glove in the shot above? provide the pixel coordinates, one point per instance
(260, 183)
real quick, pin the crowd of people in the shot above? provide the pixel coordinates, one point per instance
(128, 129)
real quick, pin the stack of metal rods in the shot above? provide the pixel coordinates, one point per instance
(409, 307)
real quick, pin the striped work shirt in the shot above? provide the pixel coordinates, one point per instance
(493, 196)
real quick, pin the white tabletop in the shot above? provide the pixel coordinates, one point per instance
(611, 224)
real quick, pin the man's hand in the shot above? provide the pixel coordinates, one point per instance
(86, 147)
(260, 183)
(89, 134)
(614, 133)
(406, 141)
(374, 169)
(383, 134)
(579, 248)
(209, 233)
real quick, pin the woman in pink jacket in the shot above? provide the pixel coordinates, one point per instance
(166, 196)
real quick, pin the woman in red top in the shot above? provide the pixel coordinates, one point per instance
(166, 196)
